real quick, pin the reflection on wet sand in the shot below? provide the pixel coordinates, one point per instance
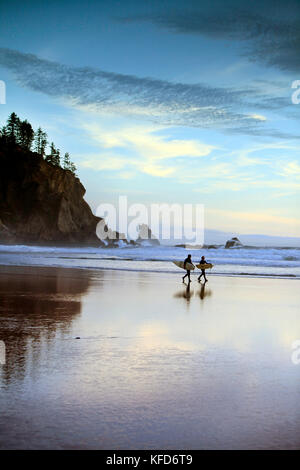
(204, 291)
(185, 293)
(149, 371)
(33, 309)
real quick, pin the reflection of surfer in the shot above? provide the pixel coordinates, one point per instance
(202, 291)
(186, 293)
(188, 272)
(203, 261)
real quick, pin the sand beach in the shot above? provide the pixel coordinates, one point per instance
(133, 360)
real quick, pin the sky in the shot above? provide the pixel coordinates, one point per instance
(166, 101)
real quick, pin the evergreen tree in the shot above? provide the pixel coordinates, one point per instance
(44, 143)
(68, 165)
(4, 135)
(25, 134)
(51, 158)
(12, 128)
(67, 161)
(21, 133)
(73, 168)
(57, 158)
(40, 141)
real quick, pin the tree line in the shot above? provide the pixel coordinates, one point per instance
(18, 132)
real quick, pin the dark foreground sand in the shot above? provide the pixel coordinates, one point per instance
(156, 365)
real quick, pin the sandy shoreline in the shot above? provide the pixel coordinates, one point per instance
(173, 274)
(158, 365)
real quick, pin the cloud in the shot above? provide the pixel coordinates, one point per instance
(141, 149)
(291, 169)
(259, 117)
(144, 141)
(268, 31)
(159, 101)
(102, 162)
(156, 170)
(253, 222)
(133, 150)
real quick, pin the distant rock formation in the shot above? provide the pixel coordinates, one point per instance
(233, 242)
(146, 237)
(41, 203)
(212, 247)
(189, 245)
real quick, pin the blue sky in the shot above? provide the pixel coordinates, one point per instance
(166, 101)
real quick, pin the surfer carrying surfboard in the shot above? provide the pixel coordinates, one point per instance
(188, 272)
(203, 261)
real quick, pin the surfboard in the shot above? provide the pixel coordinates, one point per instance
(204, 266)
(188, 266)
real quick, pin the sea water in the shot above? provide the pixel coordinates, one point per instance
(243, 261)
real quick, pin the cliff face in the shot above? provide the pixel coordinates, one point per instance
(42, 203)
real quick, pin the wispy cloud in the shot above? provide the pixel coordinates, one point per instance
(159, 101)
(253, 222)
(268, 31)
(143, 150)
(145, 142)
(130, 151)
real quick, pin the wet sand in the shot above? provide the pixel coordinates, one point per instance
(157, 365)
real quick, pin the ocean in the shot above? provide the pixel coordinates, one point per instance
(283, 262)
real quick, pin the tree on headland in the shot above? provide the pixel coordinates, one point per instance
(12, 126)
(54, 156)
(3, 133)
(68, 165)
(67, 161)
(21, 133)
(18, 132)
(56, 160)
(40, 141)
(73, 168)
(25, 134)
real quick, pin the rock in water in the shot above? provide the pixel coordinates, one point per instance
(233, 242)
(146, 237)
(42, 203)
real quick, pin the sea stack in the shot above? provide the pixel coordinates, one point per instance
(234, 241)
(146, 236)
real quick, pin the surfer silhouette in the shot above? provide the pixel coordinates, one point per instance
(188, 272)
(203, 261)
